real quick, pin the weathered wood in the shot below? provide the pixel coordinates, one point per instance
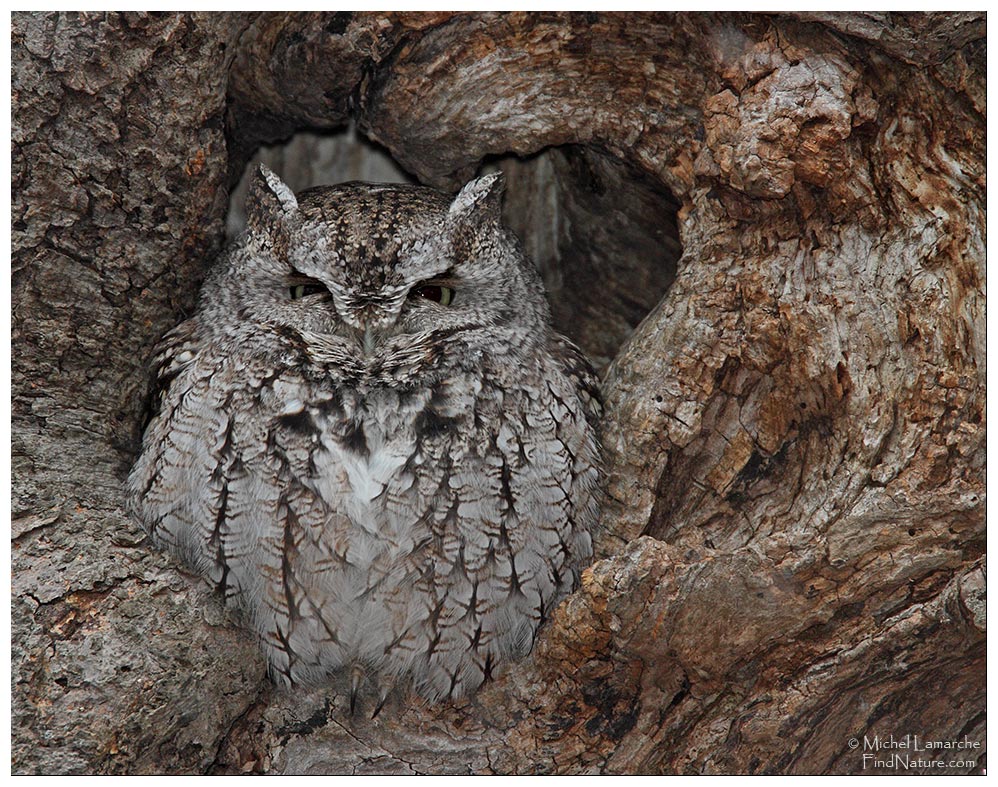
(120, 663)
(793, 549)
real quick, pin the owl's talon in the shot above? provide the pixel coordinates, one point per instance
(356, 676)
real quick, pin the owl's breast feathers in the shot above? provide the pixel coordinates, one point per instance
(361, 518)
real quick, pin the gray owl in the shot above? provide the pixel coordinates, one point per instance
(372, 441)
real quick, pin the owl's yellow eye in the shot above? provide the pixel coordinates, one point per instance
(434, 292)
(299, 291)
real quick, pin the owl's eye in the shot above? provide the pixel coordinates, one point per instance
(433, 292)
(301, 290)
(302, 285)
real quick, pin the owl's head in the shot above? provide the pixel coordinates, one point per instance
(372, 263)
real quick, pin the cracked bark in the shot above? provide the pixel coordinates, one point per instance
(792, 552)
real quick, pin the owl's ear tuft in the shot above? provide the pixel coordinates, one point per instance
(269, 202)
(481, 200)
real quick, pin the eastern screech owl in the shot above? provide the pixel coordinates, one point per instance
(371, 439)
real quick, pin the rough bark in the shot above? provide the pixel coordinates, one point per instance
(792, 553)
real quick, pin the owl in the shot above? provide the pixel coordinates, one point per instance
(372, 441)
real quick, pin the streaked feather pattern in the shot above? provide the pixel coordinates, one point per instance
(397, 497)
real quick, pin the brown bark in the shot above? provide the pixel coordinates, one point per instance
(792, 553)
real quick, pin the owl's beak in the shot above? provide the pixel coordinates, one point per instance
(369, 329)
(368, 337)
(370, 340)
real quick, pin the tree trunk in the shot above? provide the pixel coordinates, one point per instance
(767, 230)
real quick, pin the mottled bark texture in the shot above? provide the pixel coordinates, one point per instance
(792, 550)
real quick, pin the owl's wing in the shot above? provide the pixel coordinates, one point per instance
(173, 353)
(580, 372)
(515, 514)
(222, 484)
(579, 388)
(173, 485)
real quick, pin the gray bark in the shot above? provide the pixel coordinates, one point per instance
(768, 230)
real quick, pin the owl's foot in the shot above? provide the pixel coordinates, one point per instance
(383, 694)
(356, 679)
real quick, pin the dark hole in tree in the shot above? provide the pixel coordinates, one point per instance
(603, 235)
